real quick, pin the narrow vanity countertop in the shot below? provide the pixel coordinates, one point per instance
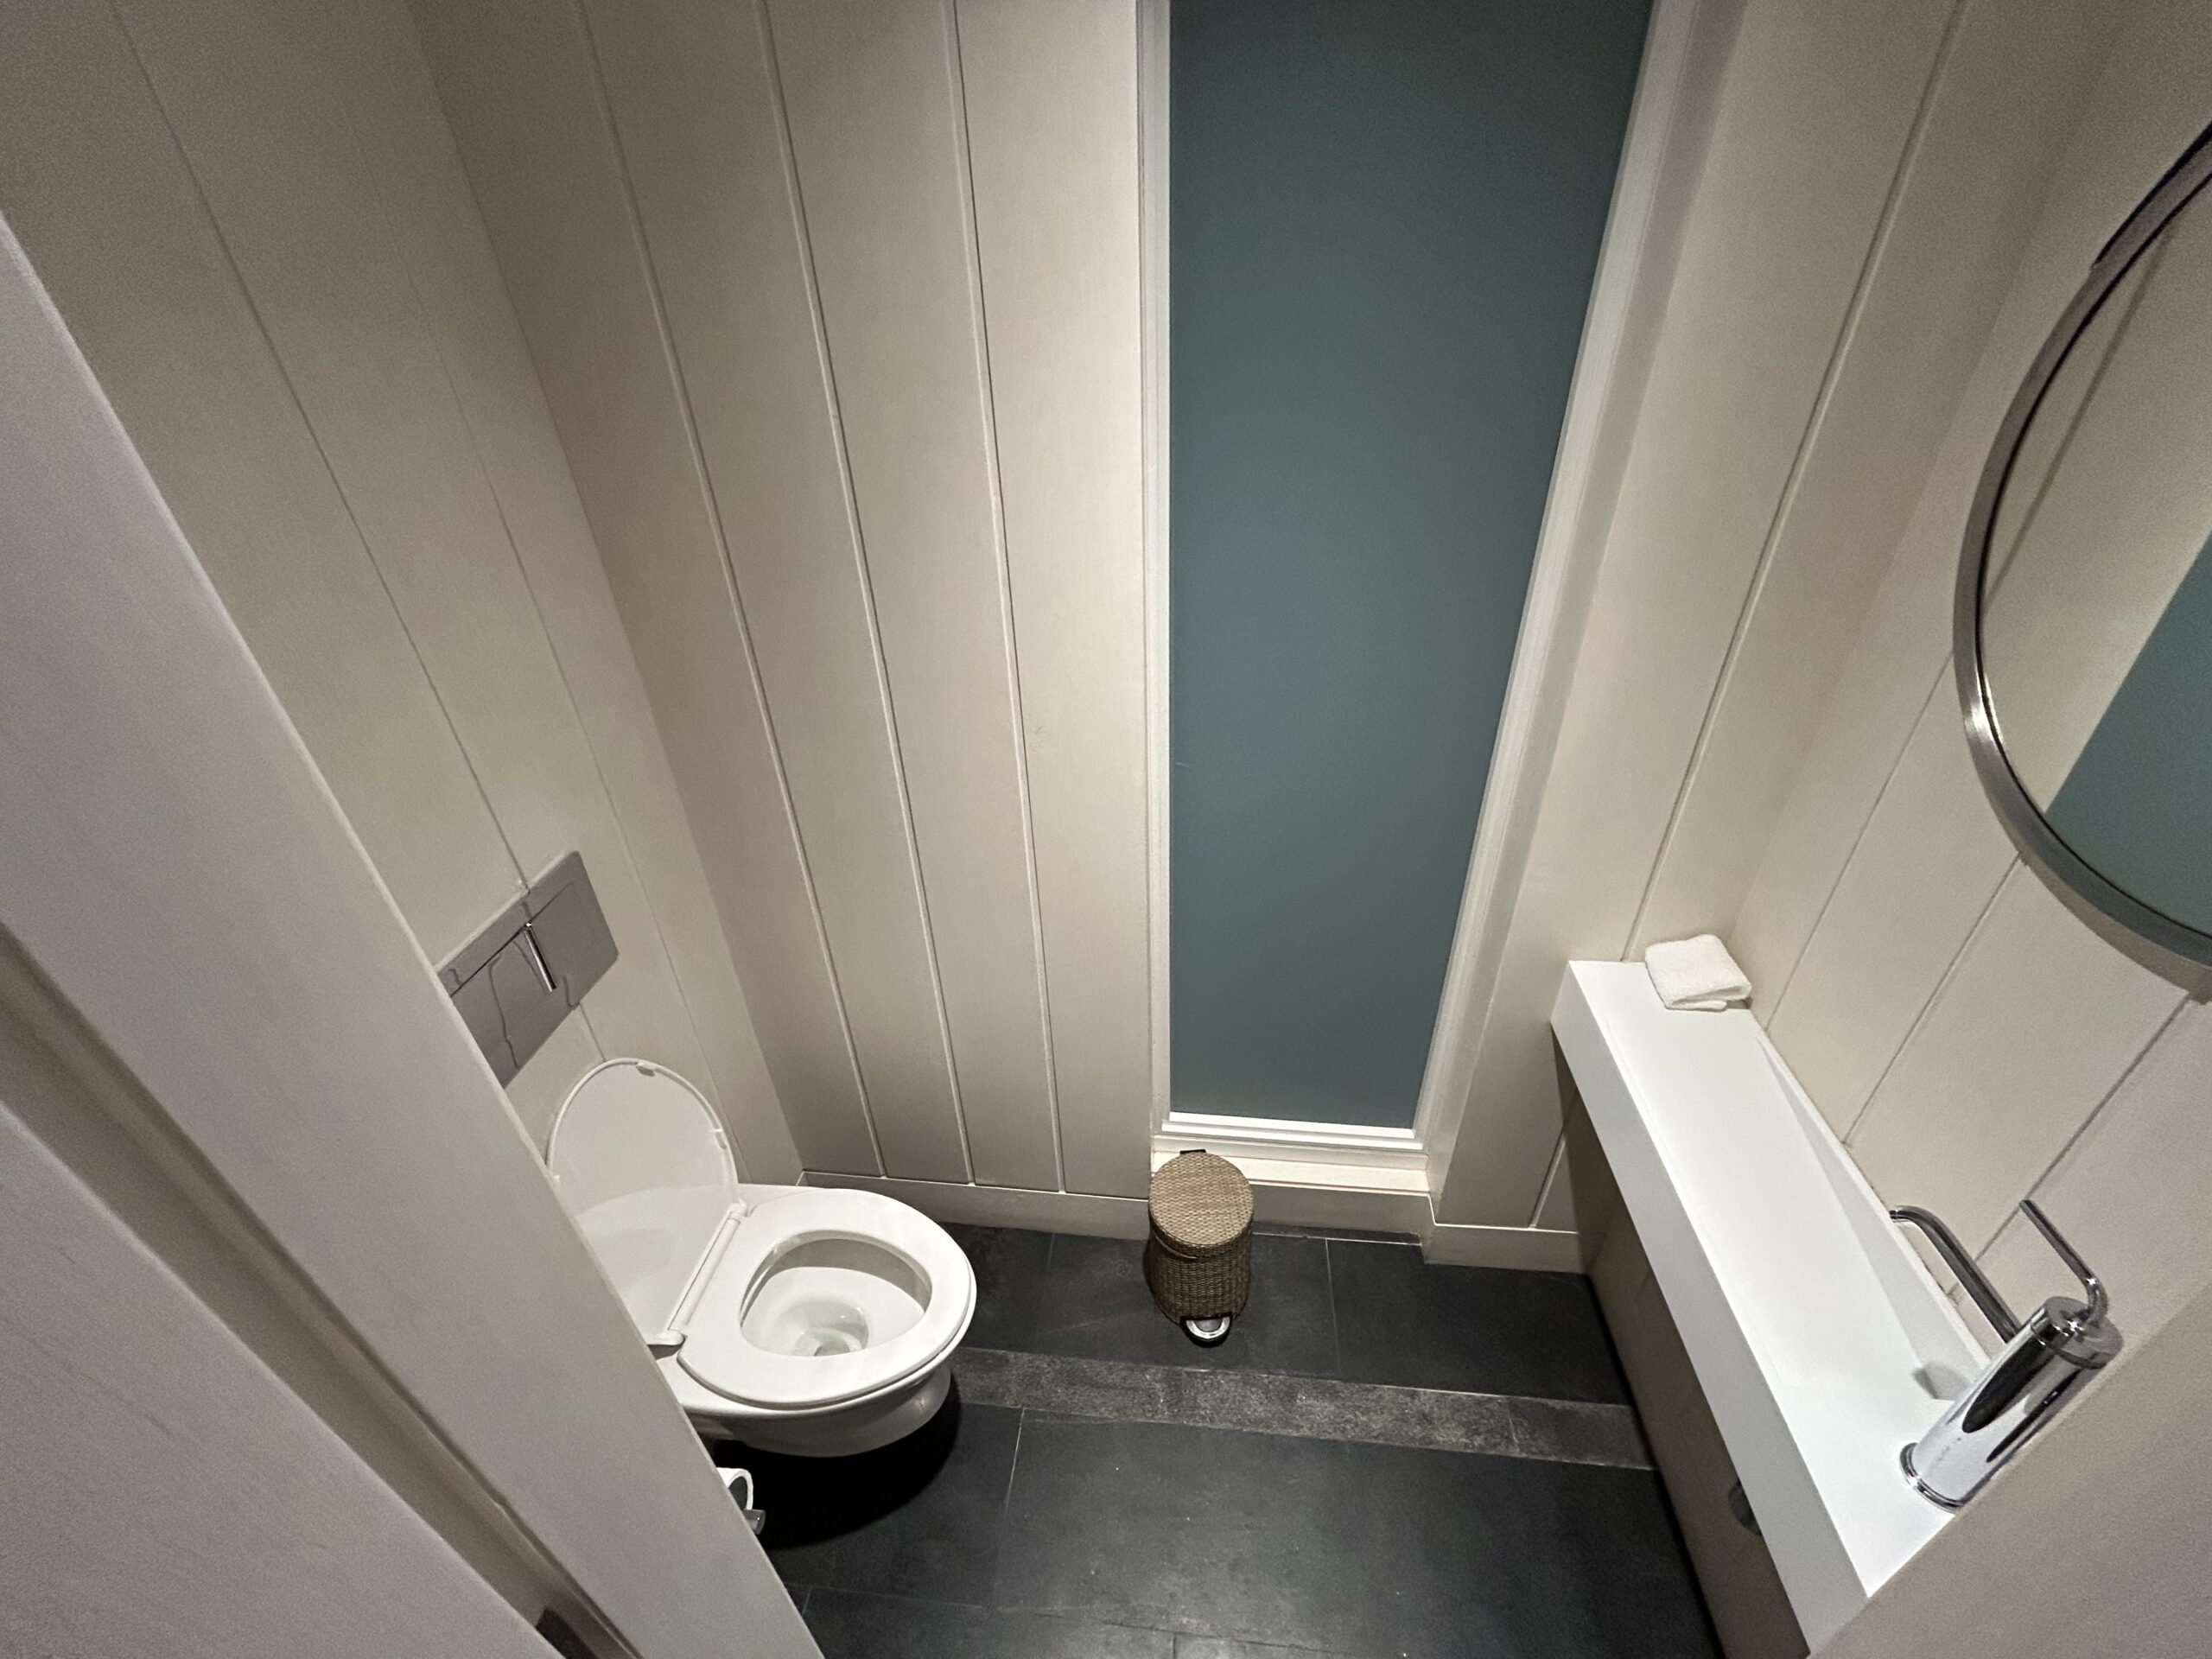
(1823, 1345)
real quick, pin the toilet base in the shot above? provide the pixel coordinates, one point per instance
(844, 1431)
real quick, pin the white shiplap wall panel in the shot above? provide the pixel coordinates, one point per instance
(2037, 1022)
(106, 207)
(2142, 111)
(1926, 867)
(522, 91)
(692, 94)
(1881, 696)
(434, 631)
(2013, 1063)
(537, 1091)
(1815, 117)
(247, 87)
(874, 97)
(1051, 124)
(2130, 1193)
(1900, 648)
(1967, 198)
(435, 224)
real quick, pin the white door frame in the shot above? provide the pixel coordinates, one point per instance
(176, 871)
(1686, 51)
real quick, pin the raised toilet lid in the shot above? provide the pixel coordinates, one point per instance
(641, 1163)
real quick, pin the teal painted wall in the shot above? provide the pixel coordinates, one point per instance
(1385, 217)
(2138, 804)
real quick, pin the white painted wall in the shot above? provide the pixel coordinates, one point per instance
(835, 307)
(254, 219)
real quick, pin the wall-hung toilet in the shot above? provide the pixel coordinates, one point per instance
(804, 1320)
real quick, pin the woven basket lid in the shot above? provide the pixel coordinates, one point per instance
(1200, 1202)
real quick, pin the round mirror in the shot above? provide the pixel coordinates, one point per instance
(2085, 598)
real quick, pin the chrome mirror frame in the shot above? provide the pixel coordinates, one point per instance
(2168, 947)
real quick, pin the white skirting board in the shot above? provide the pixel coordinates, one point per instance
(1541, 1250)
(1003, 1206)
(1323, 1205)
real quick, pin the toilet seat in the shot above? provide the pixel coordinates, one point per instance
(718, 1352)
(642, 1165)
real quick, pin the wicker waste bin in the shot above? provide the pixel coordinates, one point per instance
(1198, 1262)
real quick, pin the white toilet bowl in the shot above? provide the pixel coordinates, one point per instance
(811, 1320)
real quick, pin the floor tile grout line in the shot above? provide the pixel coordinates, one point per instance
(1014, 1462)
(1006, 1500)
(1335, 1324)
(1397, 1240)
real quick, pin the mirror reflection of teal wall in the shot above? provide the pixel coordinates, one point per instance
(1384, 220)
(2137, 803)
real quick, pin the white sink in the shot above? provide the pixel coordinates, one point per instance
(1822, 1344)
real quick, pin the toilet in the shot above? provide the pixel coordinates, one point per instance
(812, 1321)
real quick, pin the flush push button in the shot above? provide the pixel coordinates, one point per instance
(516, 980)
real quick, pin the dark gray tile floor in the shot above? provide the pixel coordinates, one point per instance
(1399, 1320)
(1359, 1549)
(1016, 1531)
(1091, 1303)
(920, 1518)
(850, 1626)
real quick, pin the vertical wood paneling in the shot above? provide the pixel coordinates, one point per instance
(1925, 869)
(308, 145)
(536, 1092)
(1968, 199)
(2135, 121)
(1882, 694)
(521, 92)
(1815, 117)
(2038, 1021)
(846, 458)
(248, 89)
(2129, 1194)
(1051, 125)
(693, 97)
(873, 94)
(434, 224)
(105, 207)
(1859, 905)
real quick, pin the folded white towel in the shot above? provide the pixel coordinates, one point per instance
(1696, 973)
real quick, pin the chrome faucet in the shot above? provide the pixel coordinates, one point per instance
(2044, 1359)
